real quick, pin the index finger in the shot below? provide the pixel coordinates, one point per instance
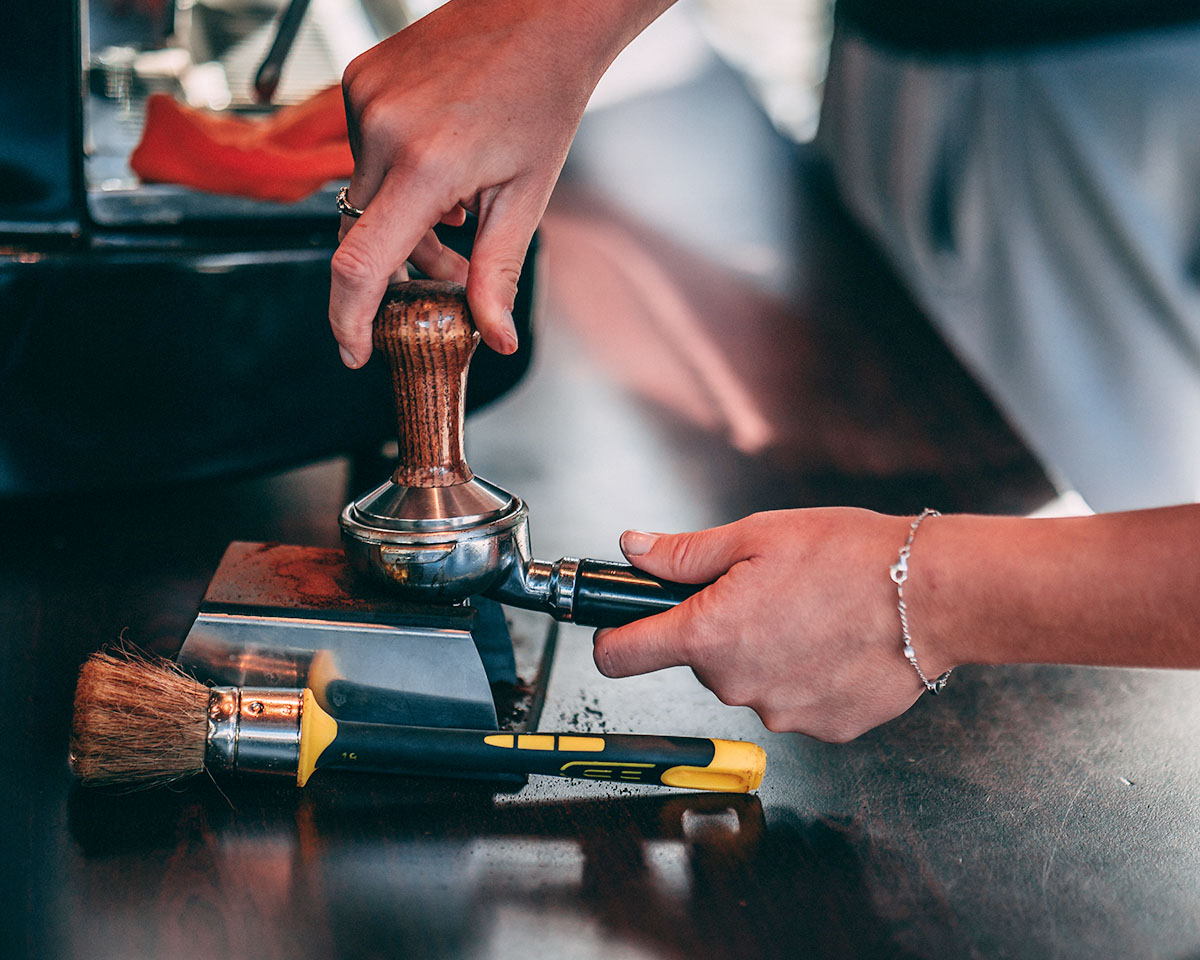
(373, 249)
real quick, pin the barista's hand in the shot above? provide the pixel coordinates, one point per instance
(472, 107)
(800, 623)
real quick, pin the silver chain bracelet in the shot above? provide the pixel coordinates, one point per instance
(899, 571)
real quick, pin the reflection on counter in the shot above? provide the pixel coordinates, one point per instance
(690, 875)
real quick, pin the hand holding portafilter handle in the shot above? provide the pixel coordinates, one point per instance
(436, 532)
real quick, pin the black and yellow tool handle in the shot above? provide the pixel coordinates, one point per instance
(693, 763)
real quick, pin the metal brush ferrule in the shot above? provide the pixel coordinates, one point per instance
(254, 730)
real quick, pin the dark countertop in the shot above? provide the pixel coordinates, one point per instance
(1029, 812)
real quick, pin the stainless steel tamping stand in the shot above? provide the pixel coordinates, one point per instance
(435, 532)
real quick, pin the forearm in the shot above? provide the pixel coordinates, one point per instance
(609, 26)
(1118, 589)
(580, 37)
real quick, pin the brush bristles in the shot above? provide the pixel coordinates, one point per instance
(138, 721)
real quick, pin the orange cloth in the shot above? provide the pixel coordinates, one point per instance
(283, 157)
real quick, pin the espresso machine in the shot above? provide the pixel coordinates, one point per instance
(152, 333)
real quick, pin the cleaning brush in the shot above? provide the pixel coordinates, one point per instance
(142, 721)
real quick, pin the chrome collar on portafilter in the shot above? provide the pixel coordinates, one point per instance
(436, 532)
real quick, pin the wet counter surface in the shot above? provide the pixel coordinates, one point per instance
(685, 375)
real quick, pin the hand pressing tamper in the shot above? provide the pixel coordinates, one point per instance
(437, 533)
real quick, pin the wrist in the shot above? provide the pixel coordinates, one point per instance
(899, 575)
(583, 34)
(940, 594)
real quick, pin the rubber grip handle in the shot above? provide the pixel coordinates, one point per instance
(609, 594)
(691, 763)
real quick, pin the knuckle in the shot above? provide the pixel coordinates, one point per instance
(757, 520)
(774, 720)
(732, 695)
(422, 160)
(681, 550)
(835, 731)
(494, 277)
(710, 633)
(349, 75)
(353, 79)
(353, 265)
(373, 118)
(507, 268)
(731, 691)
(758, 527)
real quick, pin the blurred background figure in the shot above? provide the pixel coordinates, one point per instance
(1030, 169)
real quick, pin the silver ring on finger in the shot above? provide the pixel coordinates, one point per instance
(345, 207)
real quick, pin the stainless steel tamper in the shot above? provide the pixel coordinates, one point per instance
(437, 533)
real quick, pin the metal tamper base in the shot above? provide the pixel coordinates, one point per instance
(437, 544)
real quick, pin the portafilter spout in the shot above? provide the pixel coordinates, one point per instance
(437, 533)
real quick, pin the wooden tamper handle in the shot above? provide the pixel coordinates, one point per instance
(424, 329)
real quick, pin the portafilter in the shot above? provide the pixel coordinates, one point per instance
(437, 533)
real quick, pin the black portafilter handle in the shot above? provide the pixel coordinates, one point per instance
(609, 594)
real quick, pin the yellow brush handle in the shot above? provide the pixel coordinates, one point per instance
(691, 763)
(317, 731)
(736, 767)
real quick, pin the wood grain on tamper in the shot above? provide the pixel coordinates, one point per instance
(424, 329)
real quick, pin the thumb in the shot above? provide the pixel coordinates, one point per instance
(506, 226)
(698, 557)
